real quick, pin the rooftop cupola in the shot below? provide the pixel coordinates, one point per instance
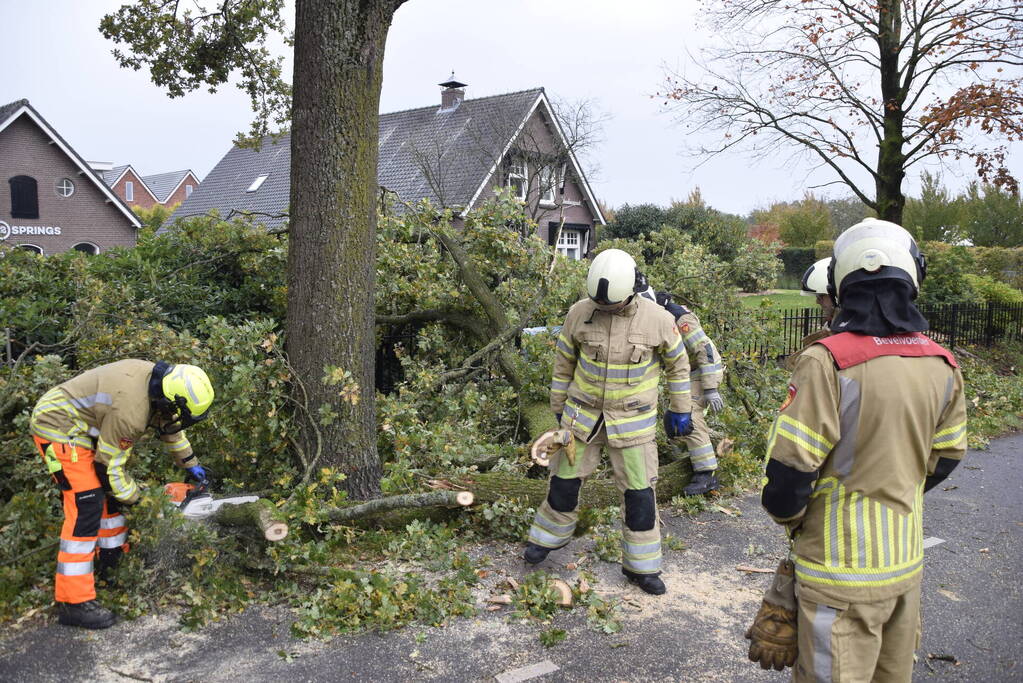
(452, 94)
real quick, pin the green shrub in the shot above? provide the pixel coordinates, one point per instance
(945, 281)
(823, 249)
(993, 291)
(1002, 263)
(797, 259)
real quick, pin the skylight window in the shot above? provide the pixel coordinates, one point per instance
(256, 183)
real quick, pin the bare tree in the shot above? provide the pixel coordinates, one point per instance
(866, 88)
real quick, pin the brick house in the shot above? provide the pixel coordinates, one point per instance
(145, 192)
(454, 155)
(50, 199)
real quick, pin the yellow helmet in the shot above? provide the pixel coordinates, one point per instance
(183, 392)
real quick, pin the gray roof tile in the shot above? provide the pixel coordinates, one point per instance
(110, 177)
(425, 153)
(8, 109)
(162, 184)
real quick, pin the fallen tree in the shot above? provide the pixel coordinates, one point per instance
(489, 487)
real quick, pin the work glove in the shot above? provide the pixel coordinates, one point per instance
(713, 401)
(677, 424)
(773, 635)
(199, 474)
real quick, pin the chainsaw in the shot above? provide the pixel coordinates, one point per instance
(195, 501)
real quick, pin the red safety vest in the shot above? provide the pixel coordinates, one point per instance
(849, 348)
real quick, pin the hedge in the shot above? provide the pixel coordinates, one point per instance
(796, 260)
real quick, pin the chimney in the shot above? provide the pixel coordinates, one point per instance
(452, 94)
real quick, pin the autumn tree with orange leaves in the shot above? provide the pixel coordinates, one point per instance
(866, 88)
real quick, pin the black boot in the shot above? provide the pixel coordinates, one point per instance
(649, 583)
(701, 483)
(535, 554)
(85, 614)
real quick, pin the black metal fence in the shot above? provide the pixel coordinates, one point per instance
(951, 325)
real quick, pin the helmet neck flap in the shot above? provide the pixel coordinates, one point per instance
(879, 307)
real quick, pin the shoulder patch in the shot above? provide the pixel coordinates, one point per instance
(788, 399)
(684, 328)
(125, 444)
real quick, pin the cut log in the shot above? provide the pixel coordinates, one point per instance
(564, 592)
(258, 515)
(410, 500)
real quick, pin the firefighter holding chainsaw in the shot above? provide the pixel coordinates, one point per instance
(875, 417)
(85, 430)
(706, 371)
(604, 392)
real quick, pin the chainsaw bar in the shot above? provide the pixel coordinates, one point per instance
(204, 505)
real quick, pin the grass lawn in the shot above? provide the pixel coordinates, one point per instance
(781, 299)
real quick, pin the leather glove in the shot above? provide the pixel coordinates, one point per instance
(774, 635)
(677, 424)
(713, 401)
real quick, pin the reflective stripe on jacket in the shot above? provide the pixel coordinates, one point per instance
(610, 364)
(872, 433)
(705, 362)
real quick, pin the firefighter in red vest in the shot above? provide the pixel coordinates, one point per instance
(875, 416)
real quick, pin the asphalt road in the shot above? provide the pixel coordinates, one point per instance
(972, 613)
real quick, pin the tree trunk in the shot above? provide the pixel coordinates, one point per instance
(405, 501)
(890, 157)
(339, 51)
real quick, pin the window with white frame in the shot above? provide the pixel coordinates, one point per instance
(518, 179)
(188, 190)
(129, 191)
(65, 188)
(570, 244)
(257, 183)
(548, 185)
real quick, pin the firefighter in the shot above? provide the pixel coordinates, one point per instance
(875, 416)
(706, 372)
(606, 371)
(815, 284)
(85, 430)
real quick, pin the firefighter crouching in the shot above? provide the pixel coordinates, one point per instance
(875, 416)
(85, 429)
(606, 372)
(705, 375)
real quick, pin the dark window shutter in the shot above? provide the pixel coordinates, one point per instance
(552, 233)
(24, 197)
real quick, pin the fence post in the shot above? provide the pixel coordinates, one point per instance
(989, 328)
(953, 327)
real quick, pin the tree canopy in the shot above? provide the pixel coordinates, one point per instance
(866, 88)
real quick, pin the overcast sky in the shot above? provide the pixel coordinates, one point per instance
(610, 51)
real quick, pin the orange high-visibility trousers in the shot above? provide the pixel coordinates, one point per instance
(92, 521)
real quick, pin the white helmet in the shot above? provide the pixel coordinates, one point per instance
(815, 279)
(875, 249)
(612, 277)
(648, 293)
